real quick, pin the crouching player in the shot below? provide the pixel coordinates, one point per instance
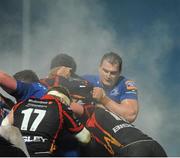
(114, 136)
(43, 122)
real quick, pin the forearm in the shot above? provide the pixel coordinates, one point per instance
(127, 109)
(7, 82)
(8, 120)
(77, 109)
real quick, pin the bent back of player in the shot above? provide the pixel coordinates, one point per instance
(43, 121)
(114, 136)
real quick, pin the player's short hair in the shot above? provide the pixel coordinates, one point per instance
(112, 58)
(28, 76)
(63, 60)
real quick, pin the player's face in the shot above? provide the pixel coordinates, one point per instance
(109, 73)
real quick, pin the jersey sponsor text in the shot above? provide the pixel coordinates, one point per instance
(118, 127)
(34, 139)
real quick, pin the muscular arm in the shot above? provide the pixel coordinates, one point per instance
(77, 109)
(128, 108)
(7, 82)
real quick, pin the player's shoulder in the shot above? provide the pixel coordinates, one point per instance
(125, 82)
(123, 79)
(130, 84)
(38, 85)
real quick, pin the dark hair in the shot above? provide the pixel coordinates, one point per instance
(63, 60)
(61, 89)
(112, 58)
(27, 76)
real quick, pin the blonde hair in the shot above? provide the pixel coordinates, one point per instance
(53, 72)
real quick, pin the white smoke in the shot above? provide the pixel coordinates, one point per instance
(144, 56)
(80, 28)
(76, 28)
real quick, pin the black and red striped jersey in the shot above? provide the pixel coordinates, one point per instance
(109, 131)
(42, 123)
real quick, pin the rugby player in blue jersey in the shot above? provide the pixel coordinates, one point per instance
(114, 91)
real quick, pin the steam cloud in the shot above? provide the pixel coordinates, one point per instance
(80, 28)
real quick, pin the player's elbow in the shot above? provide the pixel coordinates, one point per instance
(131, 109)
(131, 115)
(84, 136)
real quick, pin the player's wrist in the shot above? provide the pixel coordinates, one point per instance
(104, 99)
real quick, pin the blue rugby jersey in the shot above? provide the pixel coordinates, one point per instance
(124, 89)
(27, 90)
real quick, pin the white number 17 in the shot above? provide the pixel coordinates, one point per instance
(27, 114)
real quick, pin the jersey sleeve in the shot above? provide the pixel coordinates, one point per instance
(26, 90)
(71, 122)
(129, 90)
(22, 91)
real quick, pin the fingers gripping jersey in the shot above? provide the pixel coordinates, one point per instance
(42, 121)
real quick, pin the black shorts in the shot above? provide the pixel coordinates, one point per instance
(143, 148)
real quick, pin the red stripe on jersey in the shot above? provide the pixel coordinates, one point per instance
(59, 127)
(94, 122)
(106, 139)
(88, 109)
(60, 118)
(17, 105)
(75, 128)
